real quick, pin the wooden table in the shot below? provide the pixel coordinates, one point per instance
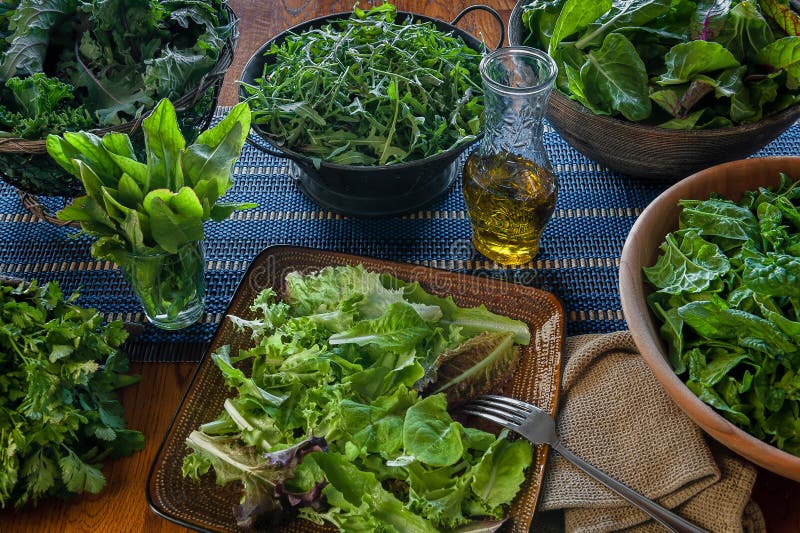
(149, 406)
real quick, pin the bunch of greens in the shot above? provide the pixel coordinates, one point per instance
(101, 62)
(343, 417)
(370, 90)
(679, 64)
(728, 297)
(157, 205)
(59, 414)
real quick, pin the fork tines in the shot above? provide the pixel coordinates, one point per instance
(507, 412)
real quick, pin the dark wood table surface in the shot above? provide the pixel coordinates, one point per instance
(149, 406)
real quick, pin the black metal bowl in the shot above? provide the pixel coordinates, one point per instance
(362, 190)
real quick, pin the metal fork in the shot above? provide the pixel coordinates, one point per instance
(539, 427)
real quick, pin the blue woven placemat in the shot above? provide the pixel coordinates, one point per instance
(578, 260)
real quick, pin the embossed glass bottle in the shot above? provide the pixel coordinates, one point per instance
(509, 185)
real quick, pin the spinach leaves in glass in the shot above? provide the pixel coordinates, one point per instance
(678, 64)
(728, 299)
(370, 90)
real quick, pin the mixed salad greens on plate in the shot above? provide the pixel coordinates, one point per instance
(728, 299)
(679, 64)
(341, 408)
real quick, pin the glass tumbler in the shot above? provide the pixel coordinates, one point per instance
(509, 185)
(170, 286)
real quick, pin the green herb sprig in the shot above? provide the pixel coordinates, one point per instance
(370, 90)
(59, 414)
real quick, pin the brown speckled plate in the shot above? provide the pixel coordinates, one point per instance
(207, 507)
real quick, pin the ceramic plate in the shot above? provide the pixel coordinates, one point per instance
(207, 507)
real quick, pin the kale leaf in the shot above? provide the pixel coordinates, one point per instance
(119, 57)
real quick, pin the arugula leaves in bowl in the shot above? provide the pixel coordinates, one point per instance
(379, 87)
(677, 64)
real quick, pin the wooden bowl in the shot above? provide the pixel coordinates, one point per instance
(641, 249)
(658, 153)
(646, 151)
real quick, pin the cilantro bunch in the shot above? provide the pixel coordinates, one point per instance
(59, 415)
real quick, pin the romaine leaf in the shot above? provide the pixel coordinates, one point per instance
(214, 152)
(470, 321)
(399, 329)
(362, 494)
(164, 143)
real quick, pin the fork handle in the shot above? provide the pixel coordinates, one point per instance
(660, 514)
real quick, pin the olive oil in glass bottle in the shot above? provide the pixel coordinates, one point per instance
(509, 185)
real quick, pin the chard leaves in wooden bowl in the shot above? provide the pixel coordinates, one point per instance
(661, 89)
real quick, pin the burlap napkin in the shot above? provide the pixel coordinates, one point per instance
(614, 414)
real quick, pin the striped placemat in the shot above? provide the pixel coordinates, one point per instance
(578, 260)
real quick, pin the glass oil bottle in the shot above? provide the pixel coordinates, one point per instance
(509, 185)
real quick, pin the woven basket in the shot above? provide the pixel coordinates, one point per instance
(195, 109)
